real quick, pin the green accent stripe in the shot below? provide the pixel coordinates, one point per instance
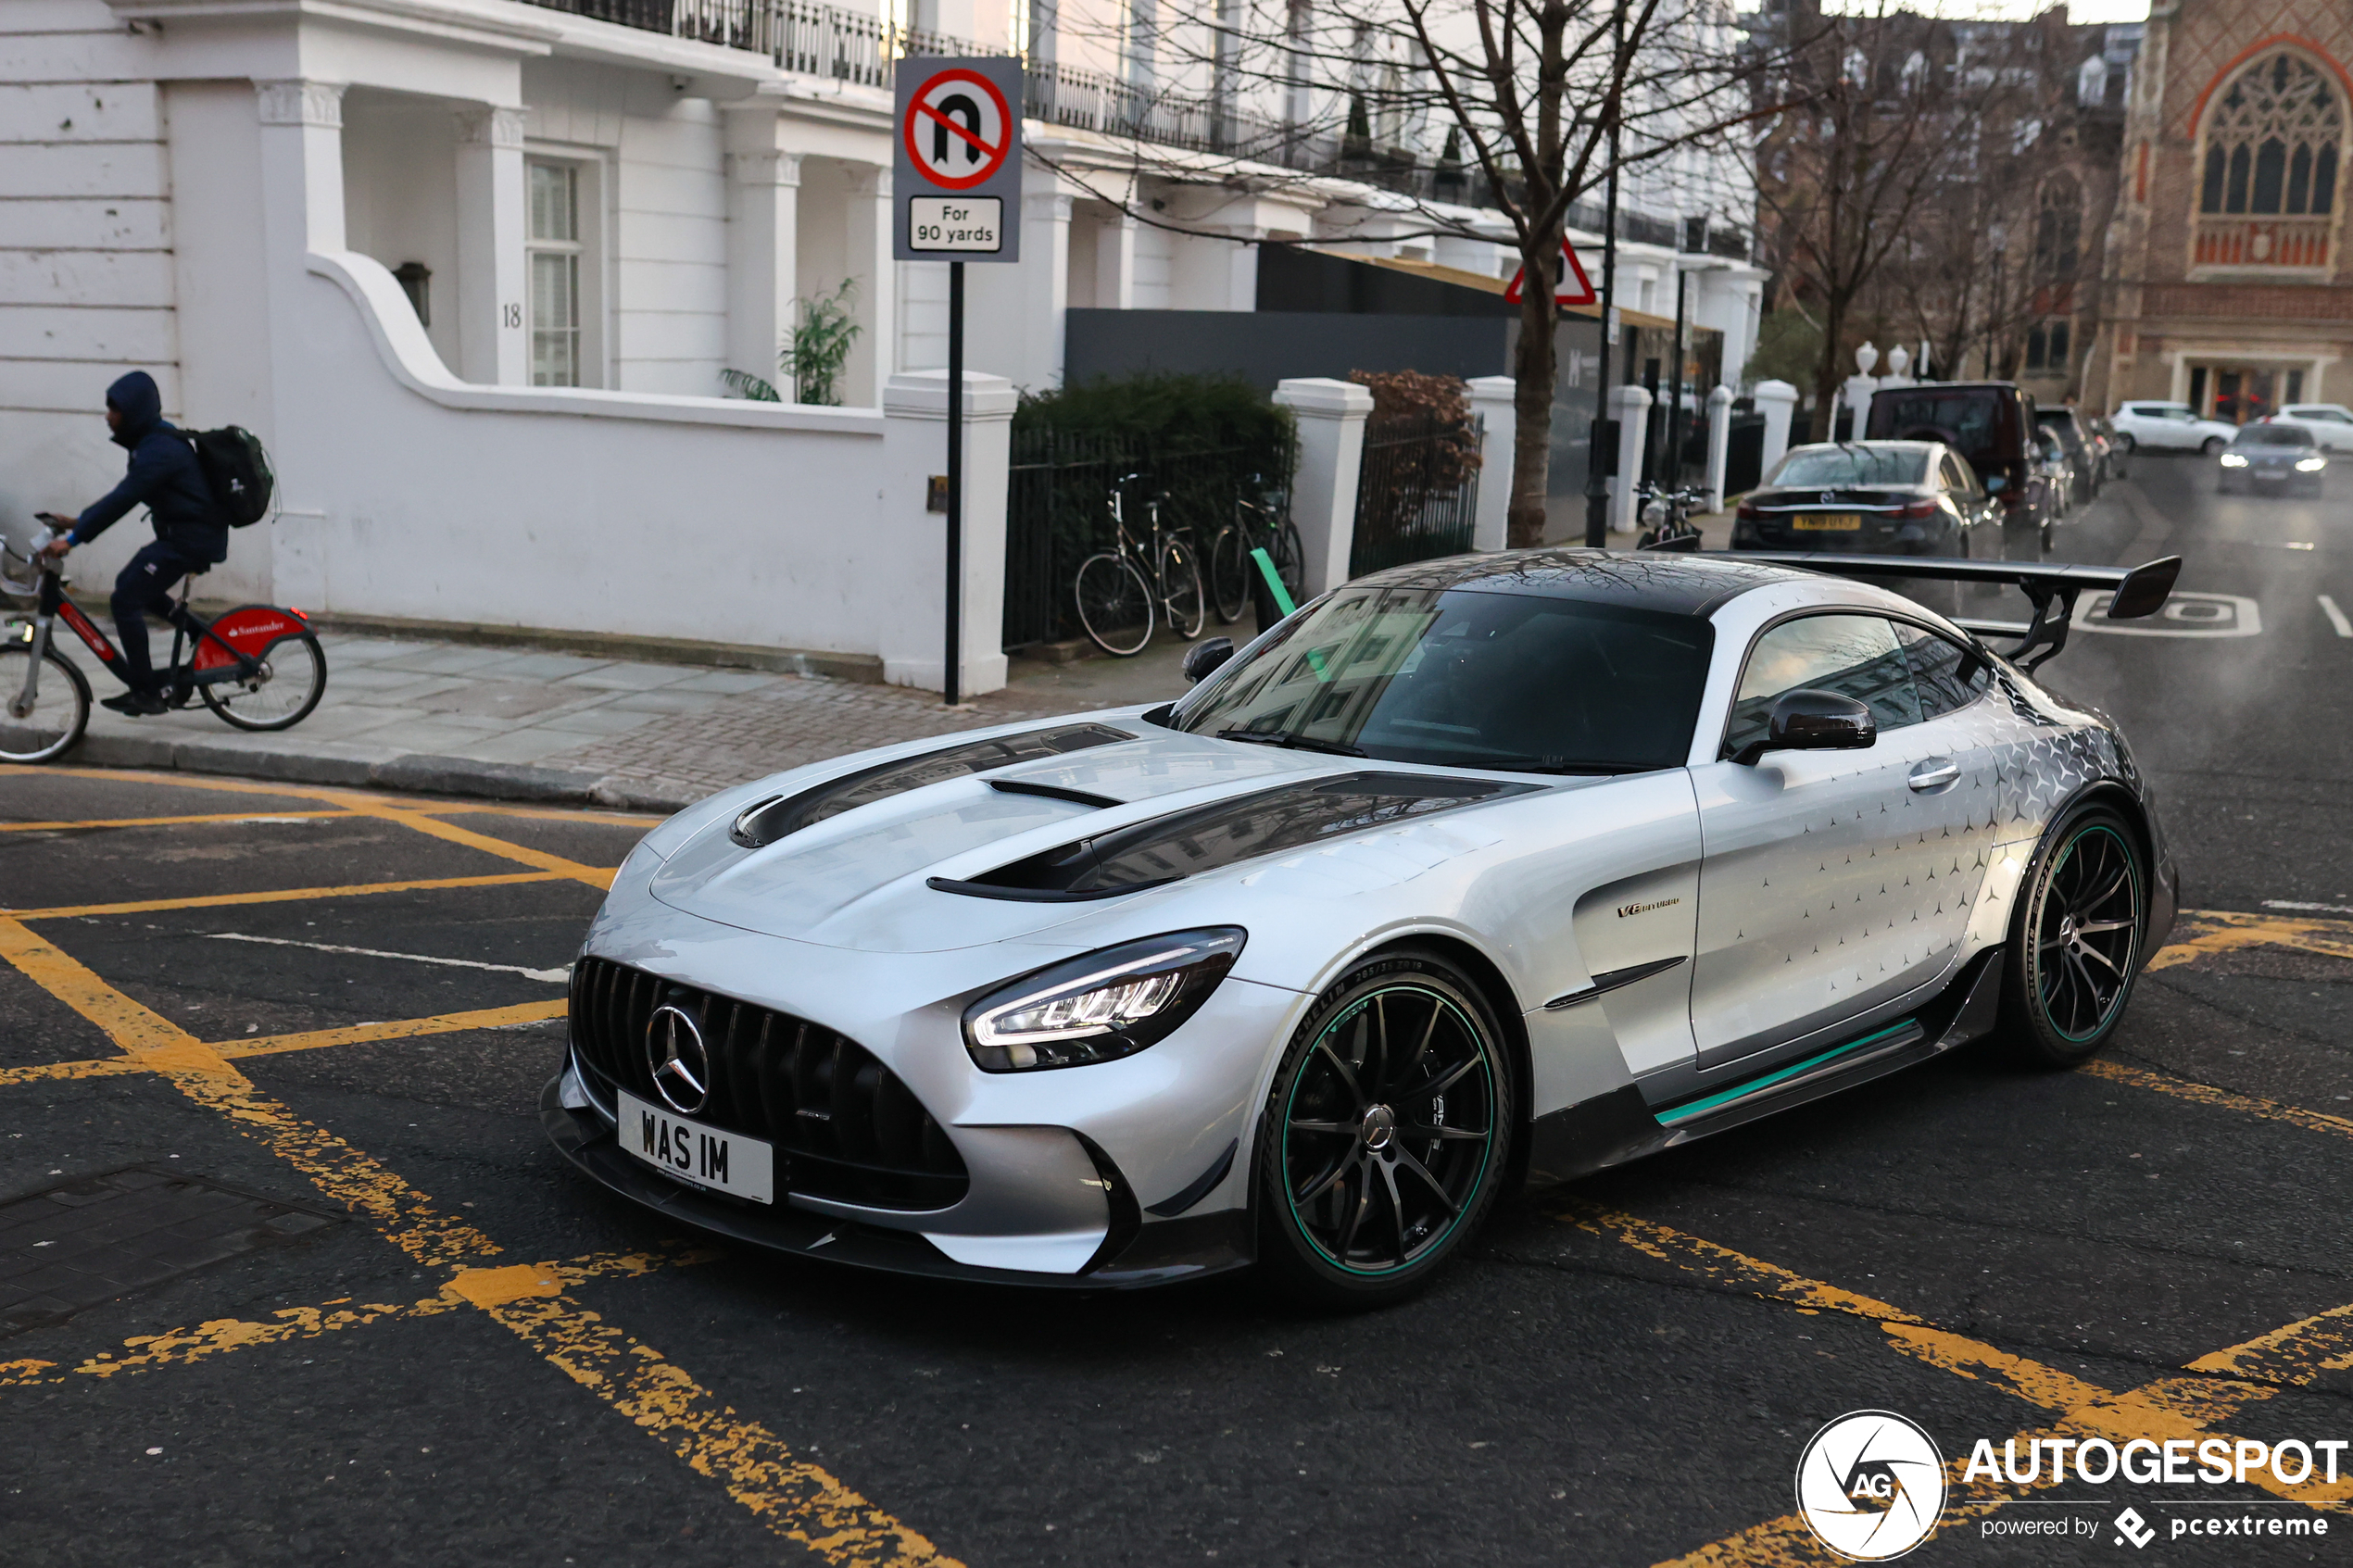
(1273, 580)
(1685, 1112)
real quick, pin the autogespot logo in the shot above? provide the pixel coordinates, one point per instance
(1870, 1484)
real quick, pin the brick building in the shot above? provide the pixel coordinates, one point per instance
(2227, 272)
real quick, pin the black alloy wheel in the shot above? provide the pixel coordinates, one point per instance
(2212, 446)
(2076, 949)
(1386, 1135)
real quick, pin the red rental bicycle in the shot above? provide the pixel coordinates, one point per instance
(257, 667)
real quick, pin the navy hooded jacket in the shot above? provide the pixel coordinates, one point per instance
(163, 477)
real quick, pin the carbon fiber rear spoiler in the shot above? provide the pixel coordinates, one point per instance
(2138, 592)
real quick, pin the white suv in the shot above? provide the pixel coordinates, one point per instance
(2331, 423)
(2169, 426)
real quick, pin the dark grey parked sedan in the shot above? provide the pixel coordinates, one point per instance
(2270, 459)
(1874, 497)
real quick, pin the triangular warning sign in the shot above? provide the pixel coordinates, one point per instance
(1574, 287)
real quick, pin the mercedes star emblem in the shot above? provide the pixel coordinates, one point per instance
(678, 1061)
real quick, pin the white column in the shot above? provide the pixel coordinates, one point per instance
(764, 239)
(1719, 444)
(1855, 406)
(1045, 283)
(867, 249)
(1630, 407)
(494, 338)
(1116, 264)
(1332, 415)
(1491, 398)
(912, 639)
(301, 157)
(1776, 401)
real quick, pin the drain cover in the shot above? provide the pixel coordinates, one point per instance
(98, 1238)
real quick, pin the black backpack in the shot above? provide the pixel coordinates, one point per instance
(238, 470)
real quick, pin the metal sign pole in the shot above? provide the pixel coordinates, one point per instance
(955, 594)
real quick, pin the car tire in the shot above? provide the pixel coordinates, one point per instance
(2124, 442)
(2212, 446)
(1358, 1204)
(2075, 946)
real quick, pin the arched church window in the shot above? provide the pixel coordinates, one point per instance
(2272, 142)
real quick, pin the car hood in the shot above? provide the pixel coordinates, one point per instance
(859, 877)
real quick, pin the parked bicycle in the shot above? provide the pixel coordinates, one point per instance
(1232, 574)
(1667, 517)
(257, 667)
(1121, 590)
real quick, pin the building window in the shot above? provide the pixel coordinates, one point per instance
(555, 274)
(2272, 141)
(2046, 344)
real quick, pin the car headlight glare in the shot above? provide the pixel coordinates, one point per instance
(2232, 460)
(2310, 465)
(1102, 1007)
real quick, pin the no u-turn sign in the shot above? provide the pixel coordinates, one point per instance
(957, 180)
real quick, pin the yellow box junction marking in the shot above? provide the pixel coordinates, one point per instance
(2223, 931)
(798, 1500)
(2188, 1407)
(285, 896)
(310, 1040)
(2205, 1094)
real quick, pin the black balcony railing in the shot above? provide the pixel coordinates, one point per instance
(841, 45)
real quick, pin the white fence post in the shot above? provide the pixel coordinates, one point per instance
(914, 447)
(1776, 401)
(1491, 398)
(1719, 444)
(1630, 406)
(1331, 417)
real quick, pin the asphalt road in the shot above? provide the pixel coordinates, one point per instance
(481, 1358)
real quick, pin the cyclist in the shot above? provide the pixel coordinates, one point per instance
(190, 532)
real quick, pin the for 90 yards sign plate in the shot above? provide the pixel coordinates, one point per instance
(957, 175)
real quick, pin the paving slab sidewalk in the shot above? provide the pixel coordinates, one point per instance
(519, 724)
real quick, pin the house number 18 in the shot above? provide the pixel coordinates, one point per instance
(510, 315)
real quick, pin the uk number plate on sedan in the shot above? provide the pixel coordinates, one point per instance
(1831, 522)
(692, 1151)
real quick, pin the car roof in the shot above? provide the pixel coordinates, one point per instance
(1864, 447)
(2297, 435)
(1675, 584)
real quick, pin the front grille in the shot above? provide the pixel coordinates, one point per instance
(844, 1126)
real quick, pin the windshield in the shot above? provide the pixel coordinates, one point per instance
(1466, 679)
(1852, 465)
(2272, 436)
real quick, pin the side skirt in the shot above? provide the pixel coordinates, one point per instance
(1614, 1128)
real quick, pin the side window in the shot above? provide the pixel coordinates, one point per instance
(1957, 477)
(1947, 675)
(1855, 656)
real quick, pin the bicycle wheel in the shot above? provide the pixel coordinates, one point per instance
(292, 680)
(1229, 572)
(59, 712)
(1115, 604)
(1180, 590)
(1290, 561)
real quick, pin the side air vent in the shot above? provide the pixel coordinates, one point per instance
(1268, 822)
(764, 822)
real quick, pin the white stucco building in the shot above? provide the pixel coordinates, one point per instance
(424, 246)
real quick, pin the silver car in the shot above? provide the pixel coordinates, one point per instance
(1497, 869)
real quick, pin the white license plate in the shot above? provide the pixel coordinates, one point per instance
(692, 1151)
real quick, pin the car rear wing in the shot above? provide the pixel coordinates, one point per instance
(2135, 592)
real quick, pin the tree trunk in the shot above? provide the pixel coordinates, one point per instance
(1533, 370)
(1827, 380)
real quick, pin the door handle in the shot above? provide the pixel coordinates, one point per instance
(1934, 773)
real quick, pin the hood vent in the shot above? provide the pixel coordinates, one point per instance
(1268, 822)
(764, 822)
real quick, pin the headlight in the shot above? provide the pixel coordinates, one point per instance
(1101, 1007)
(2232, 460)
(2310, 465)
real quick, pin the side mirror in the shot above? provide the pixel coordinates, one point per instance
(1996, 484)
(1204, 659)
(1809, 720)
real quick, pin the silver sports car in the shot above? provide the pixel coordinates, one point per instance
(1495, 869)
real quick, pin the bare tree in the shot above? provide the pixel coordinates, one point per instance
(1475, 118)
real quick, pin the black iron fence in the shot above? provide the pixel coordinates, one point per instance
(1417, 492)
(1058, 510)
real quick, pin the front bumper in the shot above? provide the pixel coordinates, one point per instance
(1163, 1252)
